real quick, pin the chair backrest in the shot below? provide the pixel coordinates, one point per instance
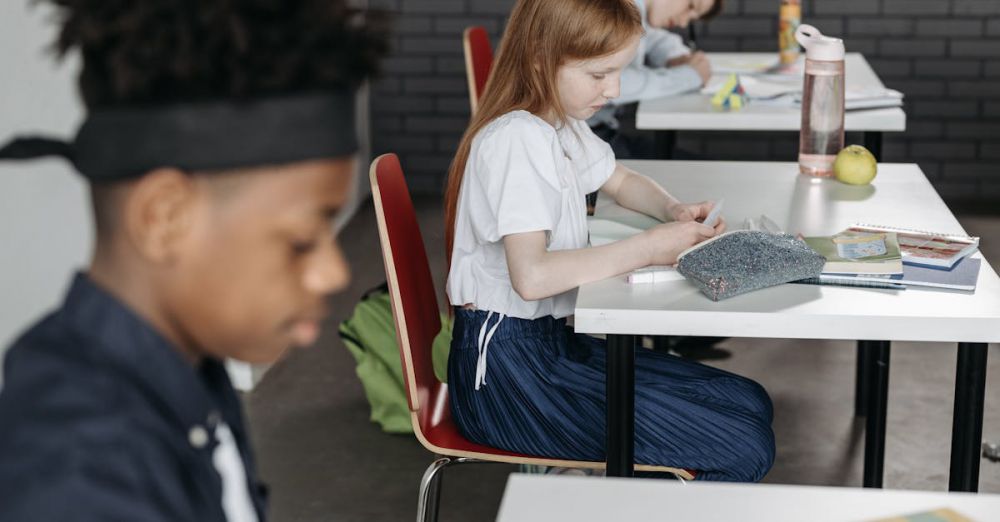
(411, 288)
(478, 61)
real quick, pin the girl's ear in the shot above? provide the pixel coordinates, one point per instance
(538, 60)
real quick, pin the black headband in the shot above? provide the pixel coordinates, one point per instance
(118, 143)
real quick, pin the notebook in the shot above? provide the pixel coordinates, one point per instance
(857, 281)
(920, 247)
(963, 276)
(852, 253)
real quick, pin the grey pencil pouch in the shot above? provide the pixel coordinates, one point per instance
(741, 261)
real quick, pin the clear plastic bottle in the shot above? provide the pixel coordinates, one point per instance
(822, 133)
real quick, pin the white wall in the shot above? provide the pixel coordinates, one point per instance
(45, 224)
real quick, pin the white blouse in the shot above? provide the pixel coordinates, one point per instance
(522, 175)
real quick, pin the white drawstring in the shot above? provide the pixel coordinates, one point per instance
(484, 344)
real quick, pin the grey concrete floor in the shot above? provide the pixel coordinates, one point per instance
(324, 459)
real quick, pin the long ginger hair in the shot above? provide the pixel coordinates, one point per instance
(541, 36)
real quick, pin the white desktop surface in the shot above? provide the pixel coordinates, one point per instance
(900, 195)
(551, 498)
(694, 111)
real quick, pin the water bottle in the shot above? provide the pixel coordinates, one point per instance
(822, 133)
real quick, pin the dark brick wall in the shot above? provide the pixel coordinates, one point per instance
(943, 54)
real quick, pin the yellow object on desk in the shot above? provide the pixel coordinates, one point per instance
(731, 96)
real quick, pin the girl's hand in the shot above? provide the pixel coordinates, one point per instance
(664, 242)
(690, 211)
(699, 62)
(684, 212)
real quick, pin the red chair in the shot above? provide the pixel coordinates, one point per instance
(478, 61)
(415, 312)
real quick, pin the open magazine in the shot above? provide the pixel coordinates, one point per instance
(924, 248)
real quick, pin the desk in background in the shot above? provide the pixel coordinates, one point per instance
(694, 111)
(530, 498)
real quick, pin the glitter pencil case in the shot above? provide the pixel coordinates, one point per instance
(741, 261)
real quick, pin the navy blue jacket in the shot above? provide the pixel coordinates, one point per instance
(102, 419)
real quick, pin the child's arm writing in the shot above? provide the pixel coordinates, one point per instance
(637, 192)
(537, 273)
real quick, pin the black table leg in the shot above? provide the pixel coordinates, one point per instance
(862, 379)
(967, 420)
(873, 142)
(621, 405)
(878, 399)
(665, 141)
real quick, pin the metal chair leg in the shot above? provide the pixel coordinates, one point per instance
(430, 487)
(430, 491)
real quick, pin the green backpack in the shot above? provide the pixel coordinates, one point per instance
(370, 335)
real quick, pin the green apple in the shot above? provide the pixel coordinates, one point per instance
(855, 165)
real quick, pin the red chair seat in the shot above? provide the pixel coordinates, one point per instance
(440, 430)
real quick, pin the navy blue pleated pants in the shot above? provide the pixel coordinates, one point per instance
(544, 395)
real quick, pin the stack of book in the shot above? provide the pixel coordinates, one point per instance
(897, 258)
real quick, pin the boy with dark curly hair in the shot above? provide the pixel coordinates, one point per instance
(219, 145)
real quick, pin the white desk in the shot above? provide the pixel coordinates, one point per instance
(901, 195)
(547, 498)
(694, 111)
